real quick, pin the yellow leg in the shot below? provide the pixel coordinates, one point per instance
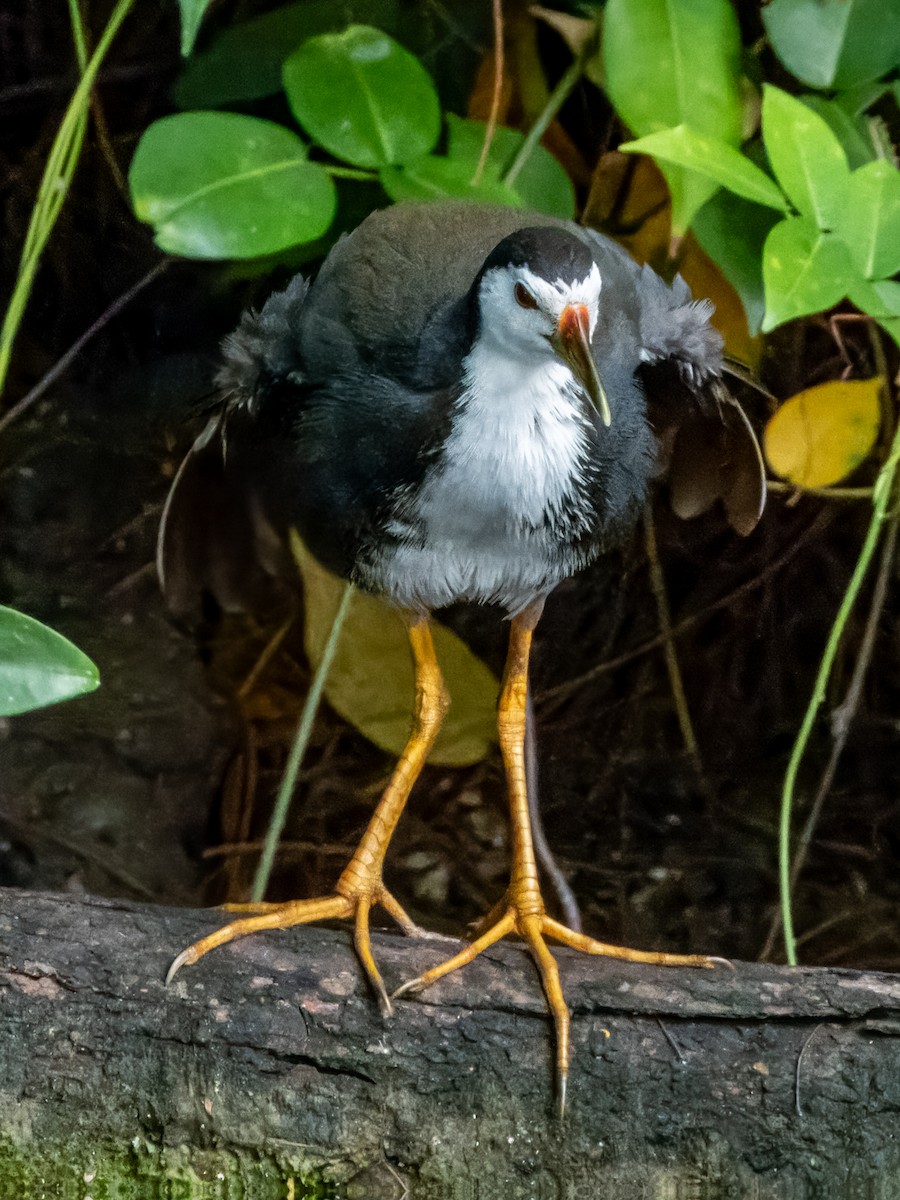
(360, 885)
(522, 910)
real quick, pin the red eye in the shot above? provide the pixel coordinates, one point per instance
(524, 297)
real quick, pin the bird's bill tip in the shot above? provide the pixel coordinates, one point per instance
(572, 342)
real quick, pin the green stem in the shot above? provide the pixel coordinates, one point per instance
(58, 172)
(349, 172)
(555, 101)
(298, 750)
(882, 494)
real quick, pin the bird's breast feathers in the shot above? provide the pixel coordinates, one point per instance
(502, 515)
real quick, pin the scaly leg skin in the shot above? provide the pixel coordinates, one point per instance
(360, 886)
(522, 910)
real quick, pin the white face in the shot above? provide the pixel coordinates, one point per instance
(520, 311)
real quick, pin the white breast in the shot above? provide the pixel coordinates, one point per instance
(484, 524)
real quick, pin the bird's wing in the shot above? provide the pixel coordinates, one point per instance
(708, 449)
(212, 536)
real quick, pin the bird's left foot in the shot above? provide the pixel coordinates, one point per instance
(528, 919)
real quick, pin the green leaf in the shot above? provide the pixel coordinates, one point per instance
(542, 184)
(870, 222)
(808, 160)
(363, 97)
(222, 185)
(717, 160)
(804, 269)
(849, 130)
(244, 61)
(733, 232)
(435, 178)
(371, 682)
(880, 299)
(674, 62)
(835, 43)
(191, 15)
(39, 666)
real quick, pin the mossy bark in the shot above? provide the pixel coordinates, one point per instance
(271, 1051)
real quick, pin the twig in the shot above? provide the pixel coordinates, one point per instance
(62, 364)
(676, 682)
(824, 493)
(679, 1053)
(497, 93)
(561, 690)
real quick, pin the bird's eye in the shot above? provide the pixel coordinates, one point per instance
(524, 297)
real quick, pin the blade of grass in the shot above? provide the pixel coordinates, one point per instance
(297, 751)
(555, 101)
(58, 172)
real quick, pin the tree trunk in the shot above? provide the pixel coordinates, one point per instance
(269, 1056)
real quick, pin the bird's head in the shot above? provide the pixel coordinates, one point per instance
(538, 295)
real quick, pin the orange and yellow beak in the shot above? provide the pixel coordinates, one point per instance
(572, 342)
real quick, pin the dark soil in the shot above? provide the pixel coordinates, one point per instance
(133, 792)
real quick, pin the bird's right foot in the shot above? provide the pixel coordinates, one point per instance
(347, 902)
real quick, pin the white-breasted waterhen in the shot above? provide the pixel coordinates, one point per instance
(457, 410)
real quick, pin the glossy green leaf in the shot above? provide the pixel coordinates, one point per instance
(880, 299)
(808, 160)
(435, 178)
(835, 43)
(870, 222)
(804, 269)
(717, 160)
(371, 682)
(222, 185)
(244, 61)
(192, 12)
(850, 130)
(39, 666)
(542, 184)
(363, 97)
(675, 62)
(733, 232)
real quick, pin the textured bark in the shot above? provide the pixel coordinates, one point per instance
(272, 1048)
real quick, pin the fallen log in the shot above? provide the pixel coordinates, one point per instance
(269, 1056)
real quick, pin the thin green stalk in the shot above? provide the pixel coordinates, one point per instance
(349, 172)
(58, 172)
(555, 101)
(298, 750)
(882, 495)
(78, 34)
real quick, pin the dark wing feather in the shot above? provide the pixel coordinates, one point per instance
(709, 447)
(212, 538)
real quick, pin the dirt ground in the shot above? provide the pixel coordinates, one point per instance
(133, 791)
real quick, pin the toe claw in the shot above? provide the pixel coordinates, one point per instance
(185, 957)
(407, 989)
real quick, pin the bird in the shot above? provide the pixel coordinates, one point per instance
(468, 403)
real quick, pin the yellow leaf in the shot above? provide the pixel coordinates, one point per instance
(371, 681)
(820, 435)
